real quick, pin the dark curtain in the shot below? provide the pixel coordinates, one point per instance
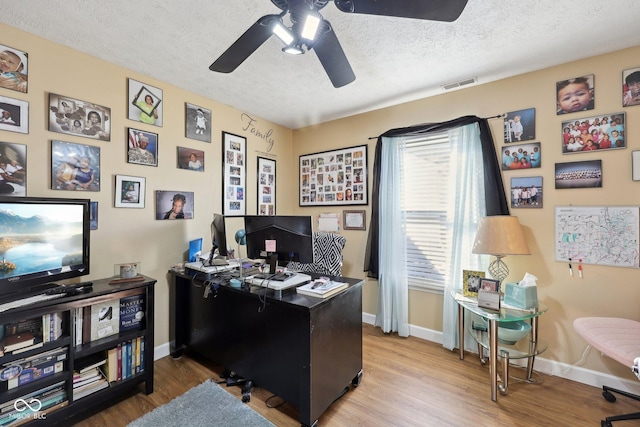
(495, 197)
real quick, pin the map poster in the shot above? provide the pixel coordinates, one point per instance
(598, 235)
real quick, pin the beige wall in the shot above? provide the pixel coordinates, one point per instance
(604, 291)
(133, 235)
(126, 235)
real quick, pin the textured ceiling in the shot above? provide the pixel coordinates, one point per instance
(395, 60)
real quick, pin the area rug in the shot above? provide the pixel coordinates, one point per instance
(204, 405)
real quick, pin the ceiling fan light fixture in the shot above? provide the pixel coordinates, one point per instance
(283, 33)
(293, 50)
(310, 27)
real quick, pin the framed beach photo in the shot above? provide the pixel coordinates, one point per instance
(234, 174)
(129, 191)
(174, 204)
(471, 282)
(197, 121)
(145, 103)
(142, 147)
(631, 87)
(190, 159)
(579, 174)
(595, 133)
(266, 186)
(520, 125)
(81, 118)
(521, 156)
(75, 167)
(526, 192)
(14, 74)
(13, 166)
(14, 115)
(576, 94)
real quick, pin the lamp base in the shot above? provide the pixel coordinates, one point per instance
(498, 269)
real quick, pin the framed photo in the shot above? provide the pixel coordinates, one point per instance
(15, 75)
(471, 282)
(520, 125)
(596, 133)
(142, 147)
(266, 186)
(333, 178)
(145, 103)
(93, 216)
(526, 192)
(174, 205)
(129, 191)
(197, 121)
(234, 174)
(576, 94)
(80, 118)
(354, 220)
(13, 168)
(521, 156)
(190, 159)
(14, 115)
(75, 167)
(490, 285)
(635, 165)
(631, 87)
(579, 174)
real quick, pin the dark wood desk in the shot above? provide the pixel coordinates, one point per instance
(304, 349)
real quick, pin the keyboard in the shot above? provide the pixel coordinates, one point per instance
(278, 277)
(29, 300)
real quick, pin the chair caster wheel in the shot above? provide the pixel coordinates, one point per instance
(605, 423)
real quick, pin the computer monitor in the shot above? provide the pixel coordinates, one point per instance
(290, 238)
(218, 235)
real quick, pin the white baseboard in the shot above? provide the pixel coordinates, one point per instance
(546, 366)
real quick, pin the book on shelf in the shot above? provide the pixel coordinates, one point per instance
(111, 367)
(88, 363)
(321, 288)
(87, 377)
(36, 372)
(105, 319)
(131, 312)
(16, 342)
(31, 347)
(88, 388)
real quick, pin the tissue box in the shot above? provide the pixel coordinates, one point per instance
(521, 296)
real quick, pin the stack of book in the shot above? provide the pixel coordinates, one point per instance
(14, 412)
(26, 370)
(88, 378)
(321, 288)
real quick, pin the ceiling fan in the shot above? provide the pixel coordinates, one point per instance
(309, 29)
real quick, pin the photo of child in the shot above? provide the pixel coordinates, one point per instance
(577, 94)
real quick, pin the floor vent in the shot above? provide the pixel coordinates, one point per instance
(459, 84)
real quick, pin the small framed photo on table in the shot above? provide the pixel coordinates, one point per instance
(471, 282)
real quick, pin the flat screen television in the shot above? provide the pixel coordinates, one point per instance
(42, 240)
(290, 238)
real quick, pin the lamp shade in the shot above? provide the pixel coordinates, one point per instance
(500, 235)
(241, 237)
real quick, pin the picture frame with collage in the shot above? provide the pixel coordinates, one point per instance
(234, 174)
(266, 186)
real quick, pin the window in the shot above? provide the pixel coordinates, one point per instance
(425, 195)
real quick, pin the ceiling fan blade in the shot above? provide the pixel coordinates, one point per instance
(332, 57)
(242, 48)
(434, 10)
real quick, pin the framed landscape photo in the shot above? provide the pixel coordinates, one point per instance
(197, 122)
(145, 103)
(266, 186)
(234, 174)
(595, 133)
(575, 94)
(14, 115)
(75, 167)
(526, 192)
(14, 74)
(631, 87)
(520, 125)
(471, 282)
(190, 159)
(579, 174)
(81, 118)
(333, 178)
(521, 156)
(174, 205)
(142, 147)
(129, 191)
(13, 160)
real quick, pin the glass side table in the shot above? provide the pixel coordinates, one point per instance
(489, 339)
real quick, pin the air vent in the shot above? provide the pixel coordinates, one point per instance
(459, 84)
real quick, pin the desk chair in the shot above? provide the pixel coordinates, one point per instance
(327, 255)
(618, 339)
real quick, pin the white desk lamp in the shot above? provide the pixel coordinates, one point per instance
(499, 236)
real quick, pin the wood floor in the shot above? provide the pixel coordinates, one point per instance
(406, 382)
